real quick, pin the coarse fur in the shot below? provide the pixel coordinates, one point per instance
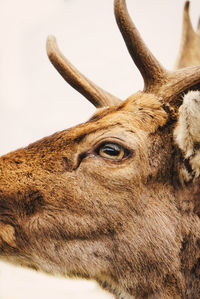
(131, 222)
(187, 132)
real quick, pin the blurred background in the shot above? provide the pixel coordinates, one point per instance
(35, 101)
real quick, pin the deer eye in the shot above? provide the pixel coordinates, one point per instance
(112, 151)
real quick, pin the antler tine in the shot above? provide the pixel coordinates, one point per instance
(187, 75)
(189, 53)
(148, 65)
(157, 80)
(96, 95)
(198, 27)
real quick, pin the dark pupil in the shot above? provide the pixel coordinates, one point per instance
(111, 149)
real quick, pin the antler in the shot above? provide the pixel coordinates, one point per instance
(151, 70)
(189, 53)
(96, 95)
(198, 27)
(157, 80)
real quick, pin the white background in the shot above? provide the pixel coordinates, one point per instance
(35, 101)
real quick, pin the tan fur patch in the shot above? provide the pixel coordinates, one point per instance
(185, 176)
(7, 234)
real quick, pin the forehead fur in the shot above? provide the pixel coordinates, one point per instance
(141, 111)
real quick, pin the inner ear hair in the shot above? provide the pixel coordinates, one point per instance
(187, 131)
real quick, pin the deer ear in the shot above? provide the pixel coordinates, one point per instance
(187, 131)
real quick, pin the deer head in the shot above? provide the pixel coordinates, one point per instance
(115, 199)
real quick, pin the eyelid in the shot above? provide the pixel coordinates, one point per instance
(93, 150)
(127, 151)
(114, 140)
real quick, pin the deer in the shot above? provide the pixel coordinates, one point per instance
(115, 199)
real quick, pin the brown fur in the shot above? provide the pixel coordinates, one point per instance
(132, 224)
(127, 226)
